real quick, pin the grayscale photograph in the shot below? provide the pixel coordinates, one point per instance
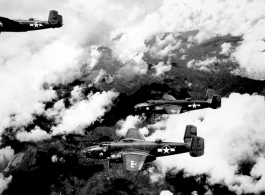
(132, 97)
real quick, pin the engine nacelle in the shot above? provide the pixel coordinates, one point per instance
(197, 147)
(116, 157)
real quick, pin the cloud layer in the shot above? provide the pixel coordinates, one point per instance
(234, 135)
(28, 60)
(84, 113)
(31, 63)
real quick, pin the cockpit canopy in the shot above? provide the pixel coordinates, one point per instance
(158, 140)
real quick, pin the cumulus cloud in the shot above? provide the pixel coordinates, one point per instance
(99, 76)
(61, 55)
(207, 64)
(233, 134)
(95, 56)
(166, 192)
(54, 158)
(56, 109)
(6, 153)
(35, 135)
(76, 94)
(250, 54)
(226, 49)
(129, 122)
(4, 182)
(161, 68)
(164, 45)
(84, 113)
(133, 67)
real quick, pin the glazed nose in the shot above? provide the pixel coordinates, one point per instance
(86, 152)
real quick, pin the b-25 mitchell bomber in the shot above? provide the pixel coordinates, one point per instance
(8, 25)
(169, 105)
(134, 150)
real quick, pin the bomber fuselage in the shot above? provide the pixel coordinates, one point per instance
(156, 149)
(156, 105)
(25, 25)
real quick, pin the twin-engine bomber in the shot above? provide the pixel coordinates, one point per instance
(169, 105)
(134, 150)
(54, 21)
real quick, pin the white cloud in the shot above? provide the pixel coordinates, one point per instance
(144, 131)
(129, 122)
(233, 134)
(133, 67)
(95, 56)
(166, 192)
(4, 182)
(99, 76)
(226, 49)
(84, 113)
(164, 45)
(207, 64)
(57, 108)
(76, 94)
(6, 153)
(161, 68)
(250, 54)
(35, 135)
(59, 55)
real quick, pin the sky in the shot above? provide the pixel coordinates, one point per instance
(32, 62)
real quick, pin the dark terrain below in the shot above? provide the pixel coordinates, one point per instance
(71, 173)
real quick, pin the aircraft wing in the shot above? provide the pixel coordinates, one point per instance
(134, 134)
(172, 109)
(168, 97)
(7, 22)
(134, 160)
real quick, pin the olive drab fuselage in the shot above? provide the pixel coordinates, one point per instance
(156, 149)
(27, 25)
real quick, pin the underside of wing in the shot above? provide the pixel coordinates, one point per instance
(168, 97)
(134, 134)
(172, 109)
(134, 160)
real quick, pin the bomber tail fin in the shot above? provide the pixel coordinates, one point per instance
(216, 101)
(190, 132)
(55, 19)
(196, 144)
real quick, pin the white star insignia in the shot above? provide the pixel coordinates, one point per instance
(166, 149)
(194, 105)
(36, 25)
